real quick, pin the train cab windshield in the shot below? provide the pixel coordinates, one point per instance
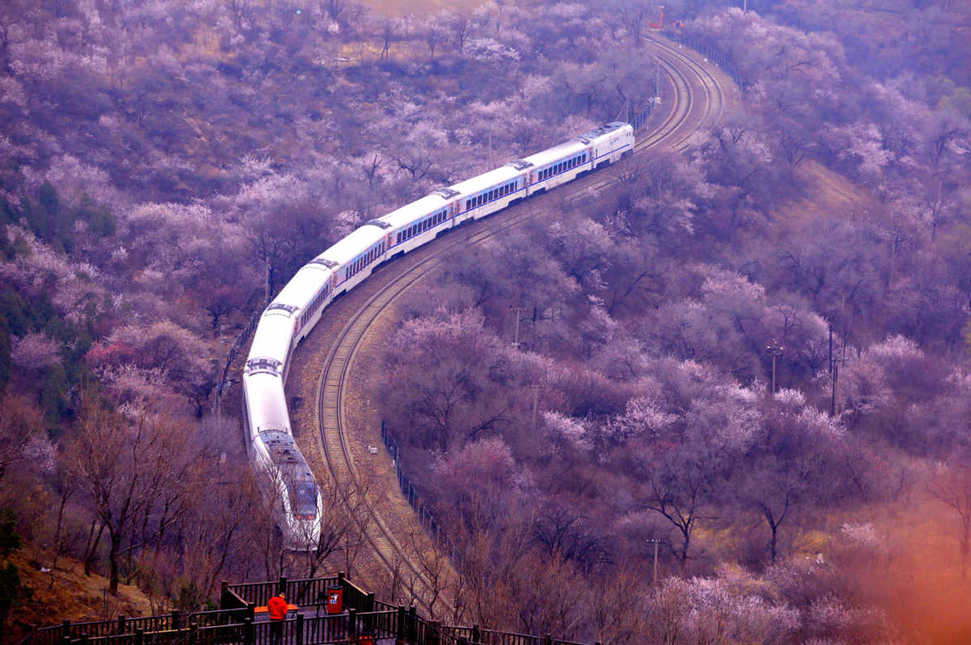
(305, 500)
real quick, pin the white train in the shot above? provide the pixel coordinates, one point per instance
(294, 312)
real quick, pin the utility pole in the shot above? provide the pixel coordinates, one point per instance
(515, 338)
(830, 349)
(657, 79)
(775, 350)
(836, 378)
(656, 542)
(535, 404)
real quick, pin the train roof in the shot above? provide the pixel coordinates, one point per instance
(485, 180)
(303, 286)
(264, 395)
(359, 241)
(272, 338)
(282, 448)
(556, 153)
(414, 211)
(571, 147)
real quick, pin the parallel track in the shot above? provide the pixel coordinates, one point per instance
(684, 73)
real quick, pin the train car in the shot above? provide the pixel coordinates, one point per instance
(304, 297)
(353, 258)
(416, 223)
(298, 307)
(291, 484)
(567, 161)
(488, 193)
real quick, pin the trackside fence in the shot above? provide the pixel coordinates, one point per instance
(424, 511)
(715, 54)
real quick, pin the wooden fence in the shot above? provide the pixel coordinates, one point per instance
(364, 621)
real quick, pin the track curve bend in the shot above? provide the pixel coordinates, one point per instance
(331, 368)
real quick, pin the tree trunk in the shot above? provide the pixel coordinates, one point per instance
(57, 537)
(92, 547)
(775, 534)
(115, 540)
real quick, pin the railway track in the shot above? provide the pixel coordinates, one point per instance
(698, 101)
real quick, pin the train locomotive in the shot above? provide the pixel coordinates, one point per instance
(292, 314)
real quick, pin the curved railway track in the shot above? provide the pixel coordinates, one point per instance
(698, 101)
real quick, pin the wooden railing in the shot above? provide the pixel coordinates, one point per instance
(364, 620)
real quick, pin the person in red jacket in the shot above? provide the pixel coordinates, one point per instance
(277, 607)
